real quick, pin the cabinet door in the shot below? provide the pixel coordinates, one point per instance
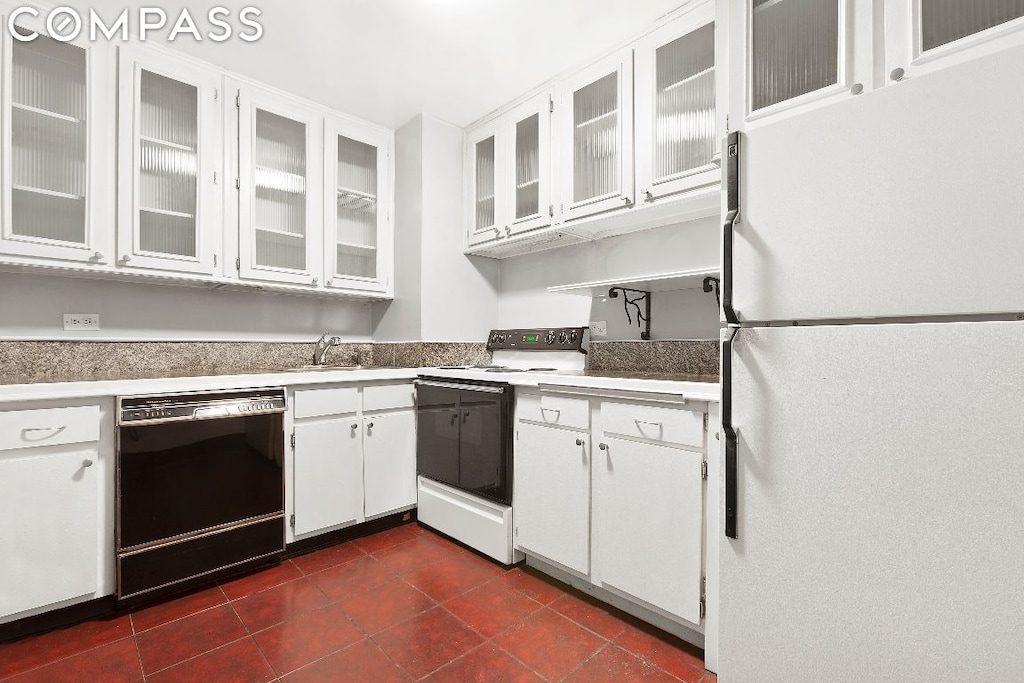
(552, 495)
(648, 510)
(58, 133)
(358, 246)
(792, 54)
(280, 233)
(328, 474)
(529, 133)
(676, 113)
(389, 462)
(484, 154)
(925, 35)
(49, 546)
(170, 147)
(595, 121)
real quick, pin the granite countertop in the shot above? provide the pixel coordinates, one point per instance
(658, 376)
(127, 374)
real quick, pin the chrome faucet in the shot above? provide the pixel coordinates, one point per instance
(322, 345)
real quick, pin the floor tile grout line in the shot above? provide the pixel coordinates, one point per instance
(194, 657)
(579, 666)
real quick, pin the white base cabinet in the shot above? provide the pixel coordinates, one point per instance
(552, 494)
(621, 503)
(353, 456)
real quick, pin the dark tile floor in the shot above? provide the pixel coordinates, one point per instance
(401, 605)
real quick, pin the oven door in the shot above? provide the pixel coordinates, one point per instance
(437, 431)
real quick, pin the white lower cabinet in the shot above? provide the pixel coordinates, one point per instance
(627, 514)
(648, 524)
(552, 494)
(328, 473)
(353, 455)
(389, 462)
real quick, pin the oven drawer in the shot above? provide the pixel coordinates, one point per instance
(319, 402)
(388, 397)
(49, 427)
(559, 411)
(670, 425)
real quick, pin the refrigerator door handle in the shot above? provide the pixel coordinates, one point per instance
(730, 435)
(732, 216)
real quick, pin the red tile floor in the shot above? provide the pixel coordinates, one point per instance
(401, 605)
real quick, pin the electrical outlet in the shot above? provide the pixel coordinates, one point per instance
(81, 322)
(599, 328)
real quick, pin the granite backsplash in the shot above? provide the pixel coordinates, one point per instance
(57, 360)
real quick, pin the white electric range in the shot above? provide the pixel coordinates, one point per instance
(464, 434)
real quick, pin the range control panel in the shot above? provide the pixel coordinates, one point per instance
(540, 339)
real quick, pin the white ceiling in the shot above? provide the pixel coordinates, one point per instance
(387, 60)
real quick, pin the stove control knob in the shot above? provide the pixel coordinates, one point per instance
(563, 338)
(550, 339)
(494, 337)
(502, 338)
(573, 335)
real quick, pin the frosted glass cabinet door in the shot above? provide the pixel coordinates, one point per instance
(595, 114)
(357, 194)
(528, 129)
(925, 35)
(57, 135)
(676, 113)
(170, 148)
(280, 169)
(485, 177)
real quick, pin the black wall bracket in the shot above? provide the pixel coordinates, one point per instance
(643, 315)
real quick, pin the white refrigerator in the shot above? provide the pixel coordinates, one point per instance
(873, 387)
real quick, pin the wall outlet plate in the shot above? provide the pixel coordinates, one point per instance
(599, 328)
(81, 322)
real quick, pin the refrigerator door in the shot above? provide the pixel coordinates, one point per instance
(904, 201)
(881, 520)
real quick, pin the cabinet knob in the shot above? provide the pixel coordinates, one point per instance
(355, 425)
(897, 74)
(856, 88)
(627, 201)
(316, 281)
(579, 442)
(648, 197)
(508, 230)
(369, 425)
(125, 259)
(603, 446)
(329, 283)
(98, 256)
(87, 463)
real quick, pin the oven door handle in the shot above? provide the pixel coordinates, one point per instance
(461, 387)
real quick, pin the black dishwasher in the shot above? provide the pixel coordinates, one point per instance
(464, 436)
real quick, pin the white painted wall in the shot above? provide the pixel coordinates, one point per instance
(32, 307)
(525, 301)
(440, 294)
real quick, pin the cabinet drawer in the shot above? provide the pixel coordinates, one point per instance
(559, 411)
(388, 397)
(318, 402)
(49, 427)
(671, 425)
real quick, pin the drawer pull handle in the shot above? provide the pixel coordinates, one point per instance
(603, 446)
(87, 463)
(544, 410)
(49, 432)
(647, 422)
(579, 442)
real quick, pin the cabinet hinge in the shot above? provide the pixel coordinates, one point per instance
(551, 211)
(705, 422)
(216, 94)
(703, 596)
(291, 523)
(551, 105)
(726, 123)
(238, 266)
(704, 470)
(214, 177)
(238, 100)
(238, 184)
(214, 260)
(293, 440)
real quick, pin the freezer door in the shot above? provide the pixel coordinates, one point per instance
(904, 201)
(881, 515)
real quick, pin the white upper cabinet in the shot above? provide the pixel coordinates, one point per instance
(170, 149)
(924, 35)
(594, 120)
(528, 128)
(280, 178)
(358, 237)
(484, 178)
(58, 130)
(791, 54)
(676, 109)
(509, 172)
